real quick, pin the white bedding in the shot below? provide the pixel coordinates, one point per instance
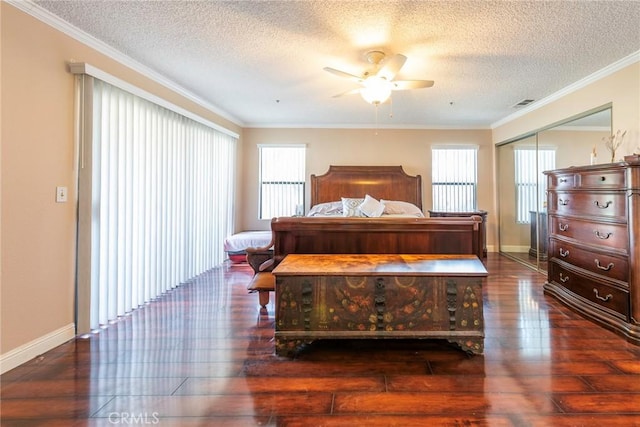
(383, 216)
(366, 207)
(239, 242)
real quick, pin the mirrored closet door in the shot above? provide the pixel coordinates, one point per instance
(522, 186)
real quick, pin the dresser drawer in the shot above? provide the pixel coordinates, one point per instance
(613, 267)
(606, 205)
(592, 233)
(602, 179)
(611, 299)
(565, 181)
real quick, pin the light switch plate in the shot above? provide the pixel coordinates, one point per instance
(61, 194)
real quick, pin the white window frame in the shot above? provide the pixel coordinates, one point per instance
(459, 184)
(287, 174)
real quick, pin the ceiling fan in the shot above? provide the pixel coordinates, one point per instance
(378, 83)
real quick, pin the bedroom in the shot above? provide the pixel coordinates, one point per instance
(38, 236)
(407, 147)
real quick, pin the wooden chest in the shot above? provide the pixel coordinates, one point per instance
(378, 297)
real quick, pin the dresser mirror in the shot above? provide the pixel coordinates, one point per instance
(522, 186)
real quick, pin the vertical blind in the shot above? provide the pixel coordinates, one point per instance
(161, 189)
(454, 178)
(530, 181)
(282, 178)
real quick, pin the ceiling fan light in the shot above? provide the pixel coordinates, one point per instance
(376, 90)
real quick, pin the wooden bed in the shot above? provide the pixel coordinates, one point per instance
(347, 235)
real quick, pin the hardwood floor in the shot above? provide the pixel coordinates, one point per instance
(203, 355)
(529, 260)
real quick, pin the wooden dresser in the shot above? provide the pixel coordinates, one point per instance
(378, 297)
(594, 239)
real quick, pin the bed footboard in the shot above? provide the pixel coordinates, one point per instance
(304, 235)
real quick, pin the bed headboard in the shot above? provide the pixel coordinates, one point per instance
(381, 182)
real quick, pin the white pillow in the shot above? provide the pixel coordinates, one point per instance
(396, 207)
(371, 207)
(328, 208)
(351, 206)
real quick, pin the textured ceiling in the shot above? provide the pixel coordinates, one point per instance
(262, 62)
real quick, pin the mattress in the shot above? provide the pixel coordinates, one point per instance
(236, 244)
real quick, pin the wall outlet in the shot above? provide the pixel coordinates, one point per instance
(61, 194)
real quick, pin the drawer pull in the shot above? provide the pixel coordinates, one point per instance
(603, 178)
(562, 202)
(602, 236)
(563, 180)
(563, 227)
(564, 279)
(605, 206)
(601, 267)
(565, 254)
(604, 298)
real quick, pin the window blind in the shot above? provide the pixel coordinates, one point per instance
(159, 189)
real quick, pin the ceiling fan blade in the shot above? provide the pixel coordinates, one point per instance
(349, 92)
(411, 84)
(343, 74)
(391, 66)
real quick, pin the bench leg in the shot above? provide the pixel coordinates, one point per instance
(263, 298)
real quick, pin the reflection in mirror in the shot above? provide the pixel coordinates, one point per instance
(515, 187)
(522, 185)
(575, 141)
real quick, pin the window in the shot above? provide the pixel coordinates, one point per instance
(282, 177)
(454, 178)
(530, 182)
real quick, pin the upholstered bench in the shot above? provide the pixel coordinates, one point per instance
(261, 261)
(262, 283)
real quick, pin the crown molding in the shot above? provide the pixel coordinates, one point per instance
(598, 75)
(63, 26)
(370, 126)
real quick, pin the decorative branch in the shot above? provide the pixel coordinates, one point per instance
(613, 142)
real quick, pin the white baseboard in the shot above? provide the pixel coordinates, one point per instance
(30, 350)
(515, 249)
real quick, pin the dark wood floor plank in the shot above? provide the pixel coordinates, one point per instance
(220, 405)
(469, 420)
(251, 385)
(628, 366)
(51, 407)
(95, 387)
(614, 383)
(203, 354)
(573, 420)
(599, 403)
(489, 383)
(346, 367)
(442, 403)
